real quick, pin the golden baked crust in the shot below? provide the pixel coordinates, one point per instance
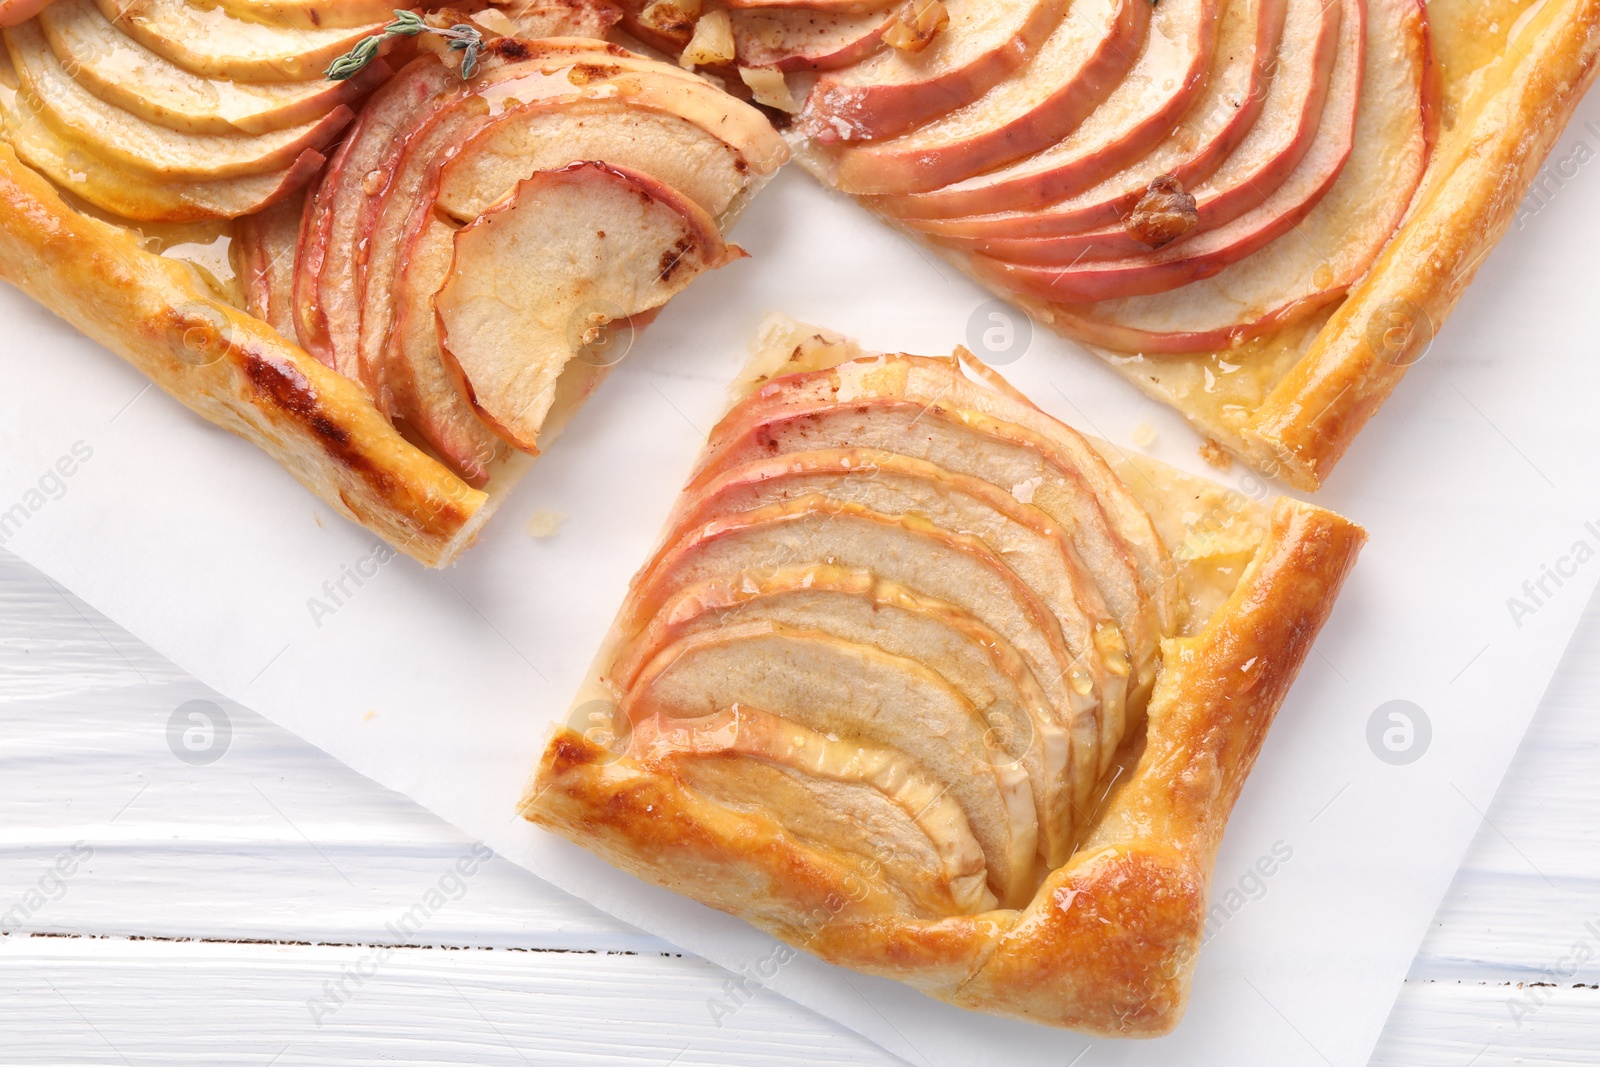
(232, 369)
(1107, 944)
(1506, 76)
(1479, 175)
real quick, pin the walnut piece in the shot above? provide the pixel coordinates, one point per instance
(1164, 214)
(917, 24)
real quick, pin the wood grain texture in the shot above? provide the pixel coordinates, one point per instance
(224, 904)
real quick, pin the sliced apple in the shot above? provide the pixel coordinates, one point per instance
(124, 73)
(979, 447)
(143, 146)
(325, 276)
(893, 91)
(1329, 249)
(116, 189)
(739, 548)
(904, 828)
(312, 14)
(648, 130)
(1033, 546)
(567, 252)
(841, 689)
(940, 387)
(409, 380)
(1302, 138)
(790, 39)
(1076, 68)
(534, 19)
(213, 43)
(1007, 206)
(858, 606)
(1167, 80)
(1064, 268)
(266, 243)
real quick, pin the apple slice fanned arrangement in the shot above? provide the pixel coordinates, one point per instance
(1236, 203)
(916, 666)
(449, 228)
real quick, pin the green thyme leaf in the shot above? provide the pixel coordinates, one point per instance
(461, 37)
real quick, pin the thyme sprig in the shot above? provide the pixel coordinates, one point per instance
(460, 37)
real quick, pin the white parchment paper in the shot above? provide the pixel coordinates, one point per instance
(1477, 483)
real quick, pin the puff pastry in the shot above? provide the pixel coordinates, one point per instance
(368, 337)
(1259, 211)
(923, 682)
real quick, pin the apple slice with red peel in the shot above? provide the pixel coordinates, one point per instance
(893, 91)
(144, 147)
(1068, 274)
(499, 105)
(414, 384)
(690, 136)
(791, 39)
(325, 276)
(535, 19)
(1329, 249)
(266, 244)
(1308, 100)
(116, 189)
(1076, 68)
(122, 72)
(211, 42)
(1008, 202)
(567, 252)
(1138, 115)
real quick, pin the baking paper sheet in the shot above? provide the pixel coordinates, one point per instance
(1477, 483)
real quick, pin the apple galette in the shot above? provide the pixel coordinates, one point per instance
(386, 247)
(924, 682)
(1259, 211)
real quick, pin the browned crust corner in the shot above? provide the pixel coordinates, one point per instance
(1469, 199)
(230, 368)
(1108, 944)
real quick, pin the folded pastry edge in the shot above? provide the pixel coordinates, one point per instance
(1108, 944)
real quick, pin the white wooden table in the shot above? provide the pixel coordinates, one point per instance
(234, 912)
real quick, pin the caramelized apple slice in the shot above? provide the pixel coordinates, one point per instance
(143, 146)
(691, 137)
(846, 690)
(1309, 113)
(209, 41)
(1315, 262)
(1032, 545)
(790, 39)
(411, 381)
(567, 252)
(893, 91)
(325, 274)
(907, 833)
(858, 606)
(122, 72)
(265, 244)
(1076, 68)
(1180, 59)
(113, 187)
(1065, 268)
